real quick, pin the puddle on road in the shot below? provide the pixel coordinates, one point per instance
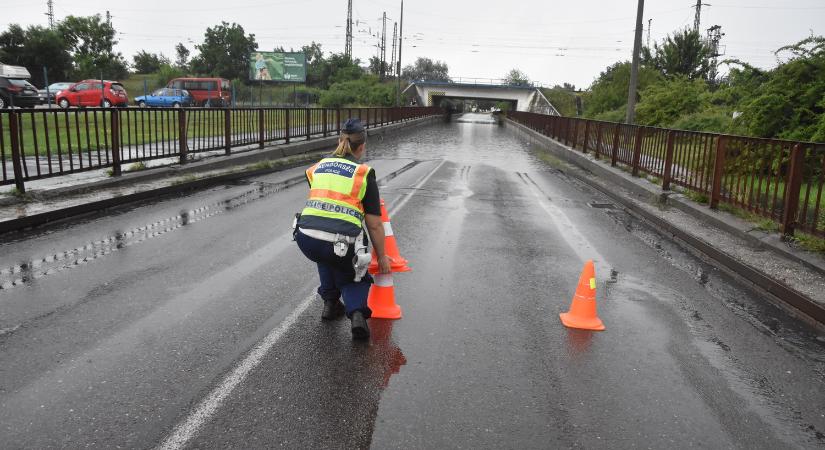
(27, 271)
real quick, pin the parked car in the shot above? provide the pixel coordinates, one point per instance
(89, 93)
(166, 97)
(14, 89)
(54, 89)
(206, 91)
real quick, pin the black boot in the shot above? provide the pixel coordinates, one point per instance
(333, 309)
(360, 330)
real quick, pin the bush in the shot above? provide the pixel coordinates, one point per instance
(663, 103)
(165, 74)
(712, 120)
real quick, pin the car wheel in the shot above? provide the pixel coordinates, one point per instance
(176, 105)
(107, 103)
(207, 104)
(142, 104)
(63, 103)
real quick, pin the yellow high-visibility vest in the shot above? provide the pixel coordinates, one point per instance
(337, 187)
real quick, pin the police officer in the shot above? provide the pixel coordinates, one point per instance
(343, 195)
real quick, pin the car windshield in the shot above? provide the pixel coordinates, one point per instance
(158, 92)
(59, 86)
(20, 83)
(117, 87)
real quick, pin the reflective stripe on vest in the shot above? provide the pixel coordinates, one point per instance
(337, 187)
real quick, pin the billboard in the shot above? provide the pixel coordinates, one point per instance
(278, 66)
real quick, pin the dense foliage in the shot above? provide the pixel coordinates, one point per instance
(674, 91)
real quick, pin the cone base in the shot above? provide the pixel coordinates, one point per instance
(392, 312)
(570, 321)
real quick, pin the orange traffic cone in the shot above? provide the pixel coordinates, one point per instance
(582, 312)
(382, 298)
(399, 264)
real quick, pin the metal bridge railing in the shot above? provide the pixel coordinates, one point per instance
(779, 180)
(43, 143)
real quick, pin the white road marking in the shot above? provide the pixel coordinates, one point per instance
(415, 188)
(202, 413)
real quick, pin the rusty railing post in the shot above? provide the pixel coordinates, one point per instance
(574, 140)
(614, 152)
(637, 150)
(324, 110)
(286, 124)
(667, 176)
(718, 171)
(308, 118)
(261, 134)
(14, 135)
(182, 131)
(116, 171)
(227, 131)
(598, 139)
(792, 191)
(586, 133)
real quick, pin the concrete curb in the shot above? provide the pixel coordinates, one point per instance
(300, 152)
(803, 306)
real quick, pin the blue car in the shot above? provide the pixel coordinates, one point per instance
(166, 97)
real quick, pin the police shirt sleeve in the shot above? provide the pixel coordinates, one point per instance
(372, 200)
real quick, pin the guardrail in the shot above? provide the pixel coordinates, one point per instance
(779, 180)
(42, 143)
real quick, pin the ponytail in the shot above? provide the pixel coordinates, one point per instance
(348, 143)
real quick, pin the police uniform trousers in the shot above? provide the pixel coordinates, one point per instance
(337, 274)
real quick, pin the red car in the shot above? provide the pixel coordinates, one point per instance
(89, 93)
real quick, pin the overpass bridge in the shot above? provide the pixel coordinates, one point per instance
(525, 97)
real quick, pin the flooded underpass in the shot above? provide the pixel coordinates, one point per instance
(192, 322)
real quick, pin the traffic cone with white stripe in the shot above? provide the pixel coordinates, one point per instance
(398, 263)
(582, 312)
(382, 298)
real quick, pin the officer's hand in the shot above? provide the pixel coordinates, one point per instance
(384, 263)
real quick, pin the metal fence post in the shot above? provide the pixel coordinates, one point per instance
(116, 142)
(598, 139)
(338, 121)
(792, 191)
(324, 110)
(227, 131)
(718, 171)
(667, 176)
(261, 133)
(286, 124)
(14, 135)
(614, 155)
(575, 138)
(308, 116)
(586, 132)
(637, 151)
(182, 131)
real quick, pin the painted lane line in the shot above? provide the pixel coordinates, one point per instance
(414, 189)
(186, 430)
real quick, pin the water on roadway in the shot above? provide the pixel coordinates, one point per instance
(190, 322)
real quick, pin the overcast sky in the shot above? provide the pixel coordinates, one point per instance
(551, 41)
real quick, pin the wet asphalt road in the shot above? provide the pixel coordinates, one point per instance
(117, 330)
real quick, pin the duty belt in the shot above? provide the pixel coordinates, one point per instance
(327, 236)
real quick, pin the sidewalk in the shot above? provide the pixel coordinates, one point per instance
(51, 199)
(793, 278)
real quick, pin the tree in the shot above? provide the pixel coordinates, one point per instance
(181, 56)
(35, 48)
(426, 69)
(91, 42)
(225, 52)
(378, 66)
(338, 68)
(608, 93)
(662, 104)
(684, 53)
(145, 62)
(516, 78)
(315, 63)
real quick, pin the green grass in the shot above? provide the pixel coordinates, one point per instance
(136, 167)
(808, 242)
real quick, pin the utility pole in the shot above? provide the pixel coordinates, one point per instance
(384, 46)
(634, 68)
(649, 21)
(50, 13)
(108, 18)
(348, 45)
(398, 64)
(394, 47)
(697, 19)
(714, 37)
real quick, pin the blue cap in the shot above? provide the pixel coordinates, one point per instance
(353, 126)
